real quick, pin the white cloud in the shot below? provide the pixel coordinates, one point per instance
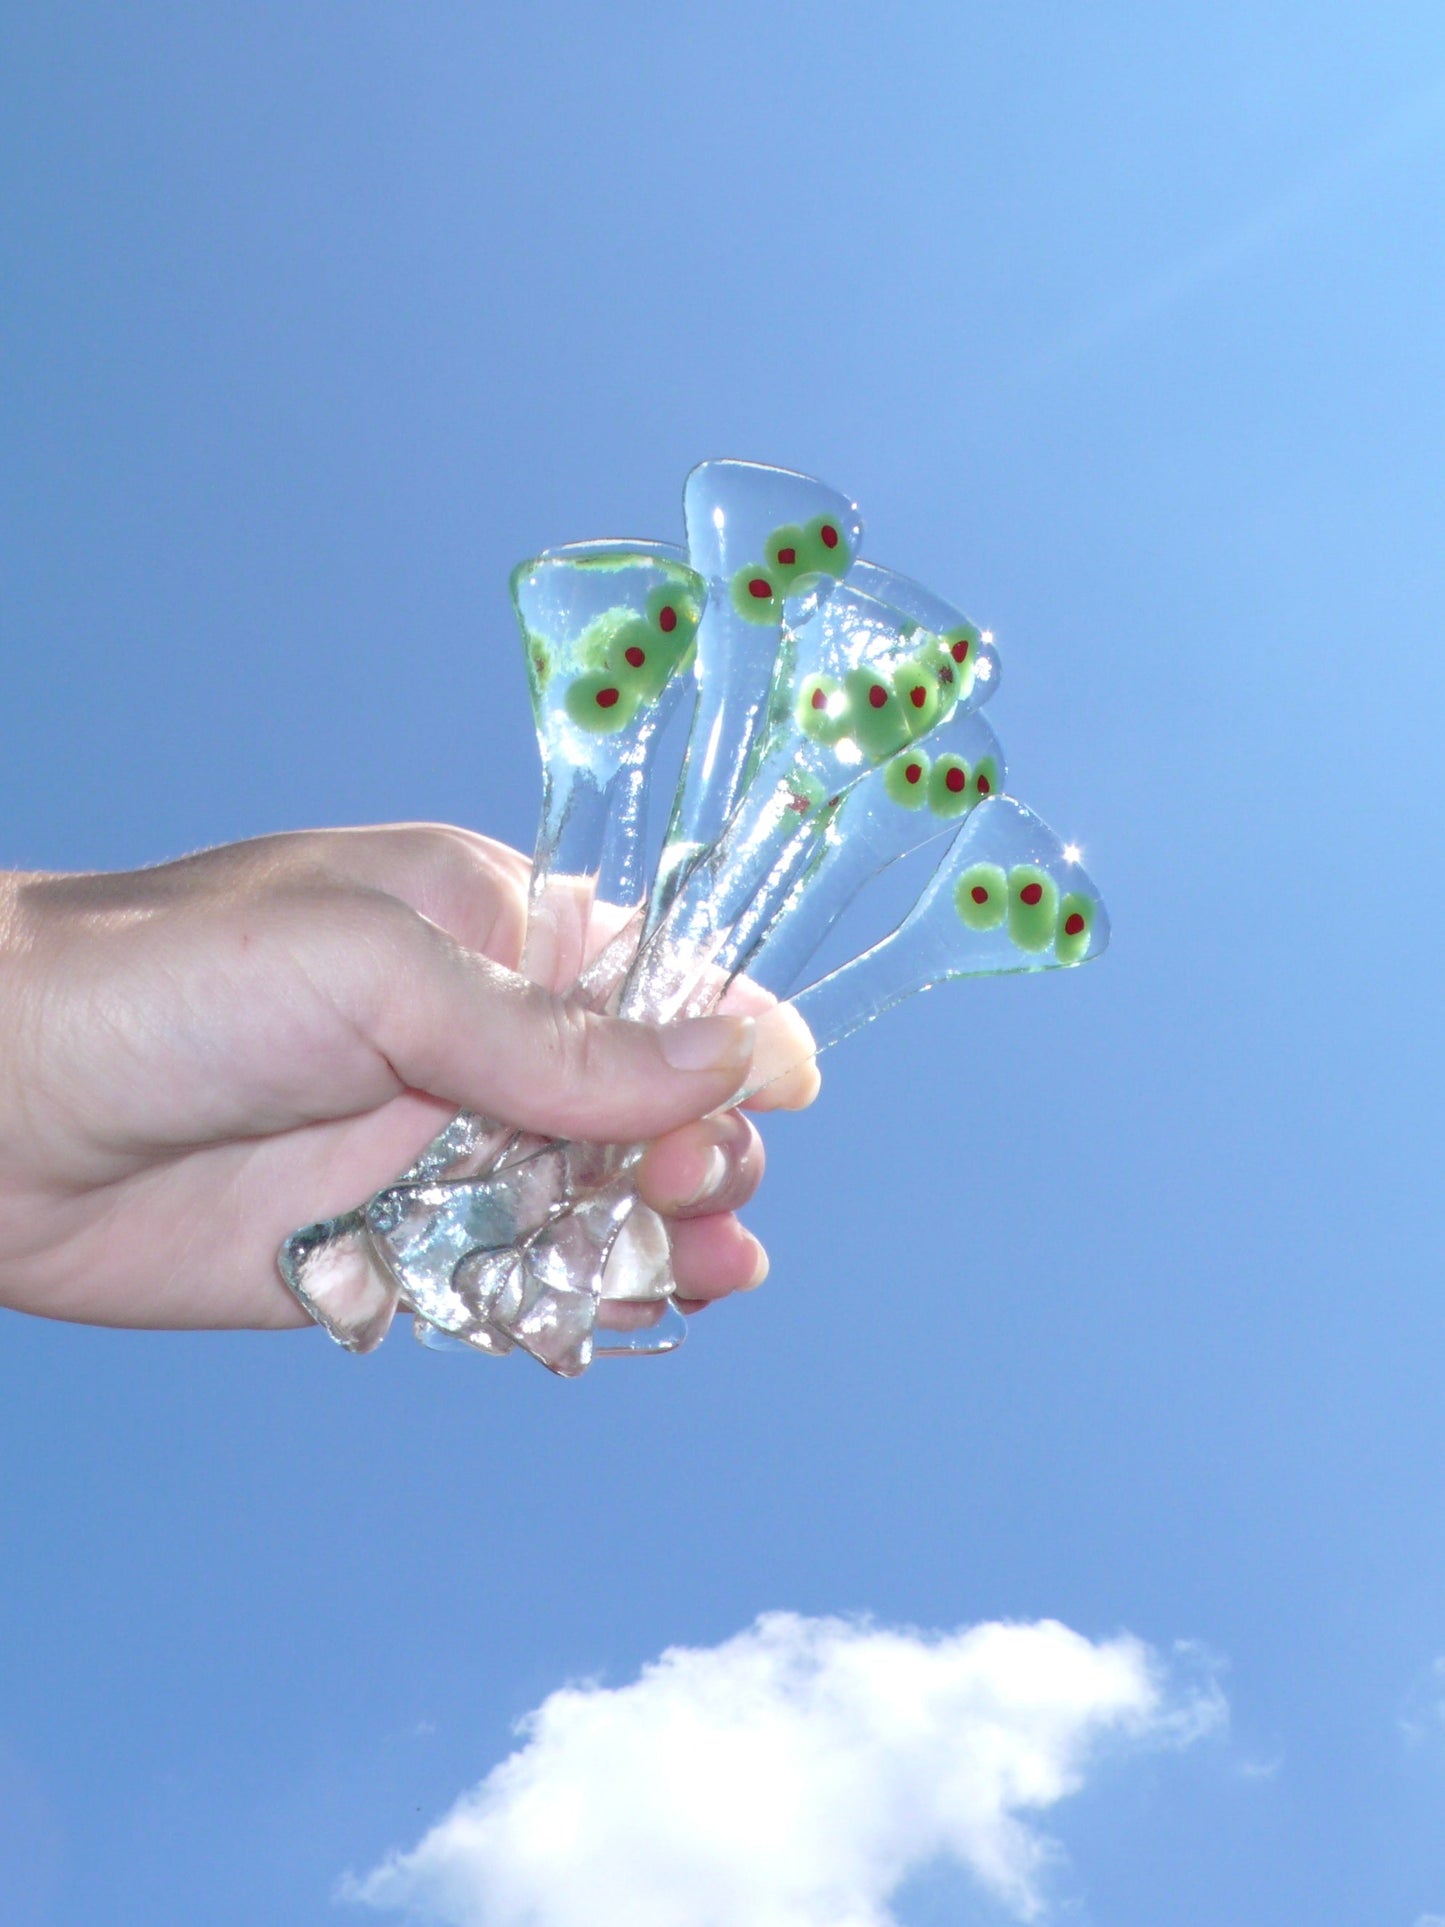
(791, 1777)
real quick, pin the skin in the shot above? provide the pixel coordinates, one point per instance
(197, 1058)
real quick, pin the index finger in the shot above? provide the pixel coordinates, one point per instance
(785, 1074)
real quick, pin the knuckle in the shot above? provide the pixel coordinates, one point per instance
(469, 883)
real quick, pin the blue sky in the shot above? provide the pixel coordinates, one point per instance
(1113, 1299)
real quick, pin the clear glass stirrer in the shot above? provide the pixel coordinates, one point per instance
(925, 790)
(757, 536)
(609, 630)
(1009, 896)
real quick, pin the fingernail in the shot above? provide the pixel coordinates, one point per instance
(709, 1044)
(713, 1179)
(760, 1269)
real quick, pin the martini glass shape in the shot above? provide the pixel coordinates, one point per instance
(1008, 896)
(863, 658)
(925, 791)
(758, 536)
(922, 791)
(609, 630)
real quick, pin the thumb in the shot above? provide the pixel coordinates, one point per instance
(456, 1025)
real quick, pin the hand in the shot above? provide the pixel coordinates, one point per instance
(195, 1059)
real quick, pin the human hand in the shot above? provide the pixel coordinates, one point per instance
(197, 1058)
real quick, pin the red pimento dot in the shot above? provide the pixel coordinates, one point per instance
(1073, 925)
(829, 535)
(1031, 892)
(945, 672)
(761, 588)
(877, 696)
(978, 893)
(820, 701)
(607, 697)
(918, 695)
(667, 619)
(787, 557)
(955, 780)
(960, 649)
(984, 786)
(913, 772)
(635, 656)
